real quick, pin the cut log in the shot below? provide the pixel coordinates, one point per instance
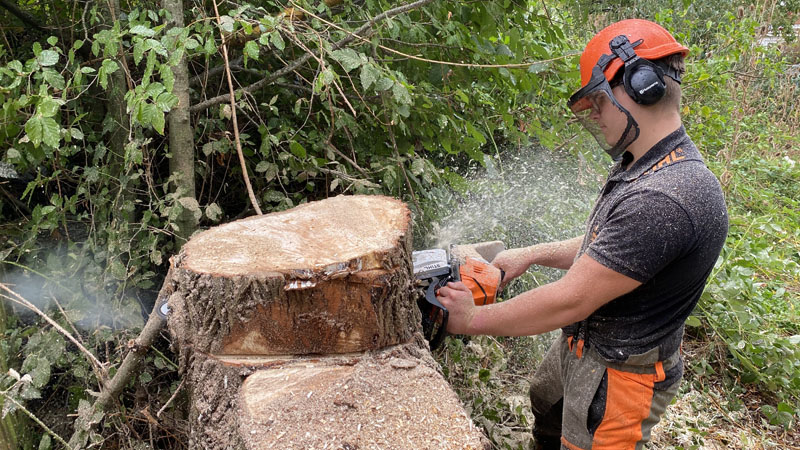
(331, 280)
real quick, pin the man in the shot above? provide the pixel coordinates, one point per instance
(651, 241)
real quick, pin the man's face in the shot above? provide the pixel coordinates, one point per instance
(611, 121)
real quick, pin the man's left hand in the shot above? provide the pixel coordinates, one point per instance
(457, 298)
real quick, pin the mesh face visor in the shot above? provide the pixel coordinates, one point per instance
(595, 98)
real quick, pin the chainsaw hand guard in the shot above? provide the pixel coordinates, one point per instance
(434, 314)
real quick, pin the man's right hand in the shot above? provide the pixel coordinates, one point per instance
(513, 261)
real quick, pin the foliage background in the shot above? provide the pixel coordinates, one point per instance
(93, 199)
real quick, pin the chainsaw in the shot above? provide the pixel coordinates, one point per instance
(470, 264)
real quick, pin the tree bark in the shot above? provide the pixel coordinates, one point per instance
(181, 138)
(306, 301)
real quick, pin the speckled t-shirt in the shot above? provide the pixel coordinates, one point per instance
(662, 222)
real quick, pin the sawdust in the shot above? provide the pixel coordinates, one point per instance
(392, 399)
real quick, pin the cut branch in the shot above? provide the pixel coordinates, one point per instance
(294, 65)
(238, 141)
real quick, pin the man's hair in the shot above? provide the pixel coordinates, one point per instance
(672, 96)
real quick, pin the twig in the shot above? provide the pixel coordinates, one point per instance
(174, 394)
(18, 299)
(36, 419)
(346, 158)
(233, 116)
(303, 59)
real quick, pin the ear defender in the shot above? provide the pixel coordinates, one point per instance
(643, 79)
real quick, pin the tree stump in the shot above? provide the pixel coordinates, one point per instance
(300, 329)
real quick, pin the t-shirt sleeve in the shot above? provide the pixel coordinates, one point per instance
(644, 232)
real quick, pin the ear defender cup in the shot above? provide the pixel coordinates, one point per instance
(644, 82)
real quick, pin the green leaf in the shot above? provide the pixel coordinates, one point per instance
(250, 50)
(538, 67)
(276, 40)
(52, 40)
(107, 68)
(54, 79)
(297, 149)
(369, 75)
(141, 30)
(693, 321)
(48, 106)
(46, 442)
(348, 58)
(226, 23)
(47, 58)
(158, 121)
(213, 212)
(400, 94)
(42, 130)
(383, 84)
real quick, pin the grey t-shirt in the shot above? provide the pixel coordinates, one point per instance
(662, 222)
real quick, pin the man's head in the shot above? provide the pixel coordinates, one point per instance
(630, 71)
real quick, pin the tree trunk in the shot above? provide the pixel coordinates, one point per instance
(9, 425)
(300, 328)
(181, 138)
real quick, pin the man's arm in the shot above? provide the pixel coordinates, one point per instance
(587, 286)
(559, 254)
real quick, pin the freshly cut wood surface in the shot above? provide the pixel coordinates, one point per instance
(331, 276)
(382, 401)
(319, 235)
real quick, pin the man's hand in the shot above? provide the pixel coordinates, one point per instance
(457, 298)
(514, 262)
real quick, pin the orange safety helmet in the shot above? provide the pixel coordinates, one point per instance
(656, 43)
(634, 44)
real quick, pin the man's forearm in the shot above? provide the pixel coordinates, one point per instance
(559, 255)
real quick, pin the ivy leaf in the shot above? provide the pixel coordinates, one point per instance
(42, 130)
(141, 30)
(348, 58)
(47, 58)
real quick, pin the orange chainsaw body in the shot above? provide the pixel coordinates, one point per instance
(482, 278)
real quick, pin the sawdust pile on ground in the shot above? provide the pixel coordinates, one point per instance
(387, 400)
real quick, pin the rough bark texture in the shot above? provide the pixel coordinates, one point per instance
(331, 280)
(181, 136)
